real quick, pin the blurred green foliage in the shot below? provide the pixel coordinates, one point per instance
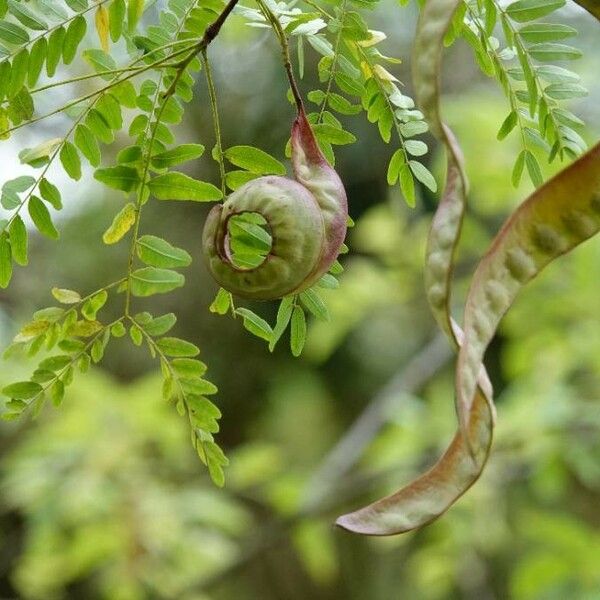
(105, 499)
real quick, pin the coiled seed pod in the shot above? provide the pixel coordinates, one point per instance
(306, 218)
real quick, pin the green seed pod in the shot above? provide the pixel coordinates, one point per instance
(306, 218)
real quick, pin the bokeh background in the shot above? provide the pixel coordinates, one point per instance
(104, 497)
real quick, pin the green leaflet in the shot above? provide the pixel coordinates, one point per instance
(135, 8)
(5, 260)
(41, 218)
(177, 186)
(160, 325)
(55, 45)
(557, 217)
(116, 10)
(18, 240)
(22, 390)
(297, 331)
(119, 177)
(70, 161)
(254, 160)
(175, 156)
(171, 346)
(156, 252)
(121, 224)
(253, 323)
(150, 280)
(27, 17)
(87, 143)
(65, 296)
(528, 10)
(13, 34)
(73, 37)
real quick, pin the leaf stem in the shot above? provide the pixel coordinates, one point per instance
(215, 116)
(334, 63)
(140, 196)
(501, 74)
(209, 35)
(318, 8)
(551, 103)
(105, 288)
(182, 395)
(285, 51)
(391, 108)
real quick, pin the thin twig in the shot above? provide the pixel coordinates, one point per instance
(285, 51)
(334, 63)
(209, 35)
(212, 93)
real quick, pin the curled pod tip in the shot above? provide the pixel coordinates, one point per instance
(306, 218)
